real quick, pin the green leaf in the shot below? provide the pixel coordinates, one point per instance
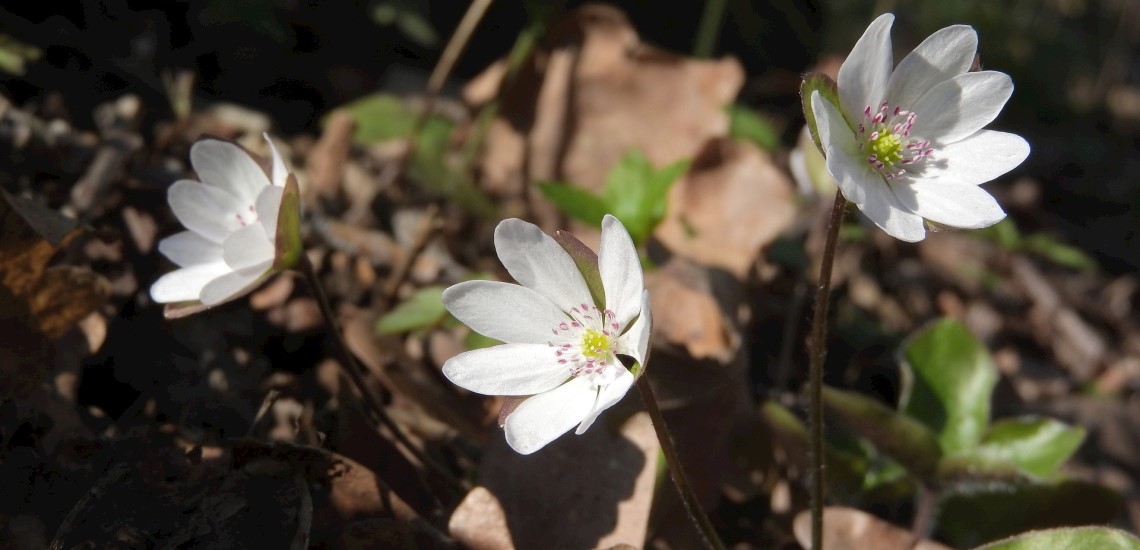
(474, 340)
(1060, 253)
(381, 117)
(637, 195)
(421, 310)
(898, 436)
(817, 82)
(1069, 538)
(577, 203)
(1037, 446)
(975, 513)
(746, 124)
(846, 471)
(948, 377)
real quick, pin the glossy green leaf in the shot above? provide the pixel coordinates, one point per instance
(637, 194)
(1037, 446)
(421, 310)
(948, 378)
(746, 124)
(898, 436)
(1068, 538)
(577, 203)
(975, 513)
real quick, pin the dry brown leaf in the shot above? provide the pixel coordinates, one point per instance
(733, 202)
(587, 491)
(686, 314)
(328, 158)
(479, 522)
(38, 304)
(851, 529)
(591, 92)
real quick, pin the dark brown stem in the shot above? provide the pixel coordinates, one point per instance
(375, 404)
(676, 469)
(817, 352)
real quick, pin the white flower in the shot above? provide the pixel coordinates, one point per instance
(561, 344)
(909, 143)
(233, 241)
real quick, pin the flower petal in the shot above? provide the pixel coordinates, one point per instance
(537, 262)
(280, 172)
(954, 204)
(864, 74)
(504, 311)
(542, 418)
(234, 284)
(977, 159)
(635, 341)
(507, 369)
(247, 247)
(223, 165)
(186, 284)
(961, 106)
(843, 158)
(607, 397)
(888, 212)
(620, 269)
(209, 211)
(942, 56)
(189, 248)
(268, 206)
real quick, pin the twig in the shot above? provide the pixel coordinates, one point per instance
(266, 404)
(817, 352)
(117, 473)
(424, 234)
(304, 512)
(676, 469)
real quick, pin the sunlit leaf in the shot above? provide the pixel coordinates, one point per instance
(421, 310)
(577, 203)
(1068, 538)
(1037, 446)
(948, 378)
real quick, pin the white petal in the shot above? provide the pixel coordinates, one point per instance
(183, 285)
(607, 397)
(977, 159)
(268, 206)
(507, 369)
(953, 204)
(537, 262)
(280, 172)
(511, 313)
(234, 284)
(961, 106)
(942, 56)
(889, 213)
(843, 158)
(863, 76)
(542, 418)
(247, 247)
(853, 175)
(620, 270)
(208, 211)
(226, 166)
(189, 248)
(635, 341)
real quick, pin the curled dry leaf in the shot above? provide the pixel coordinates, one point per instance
(851, 529)
(686, 314)
(590, 93)
(733, 202)
(38, 304)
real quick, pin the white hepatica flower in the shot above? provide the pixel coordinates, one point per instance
(909, 143)
(234, 241)
(561, 345)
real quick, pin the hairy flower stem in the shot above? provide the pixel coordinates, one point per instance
(676, 469)
(817, 352)
(355, 372)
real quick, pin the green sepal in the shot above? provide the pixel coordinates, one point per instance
(586, 261)
(288, 241)
(818, 82)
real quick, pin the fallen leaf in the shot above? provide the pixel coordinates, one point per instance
(851, 529)
(593, 91)
(733, 202)
(480, 523)
(686, 314)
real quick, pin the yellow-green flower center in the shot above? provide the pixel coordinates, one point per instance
(595, 345)
(887, 148)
